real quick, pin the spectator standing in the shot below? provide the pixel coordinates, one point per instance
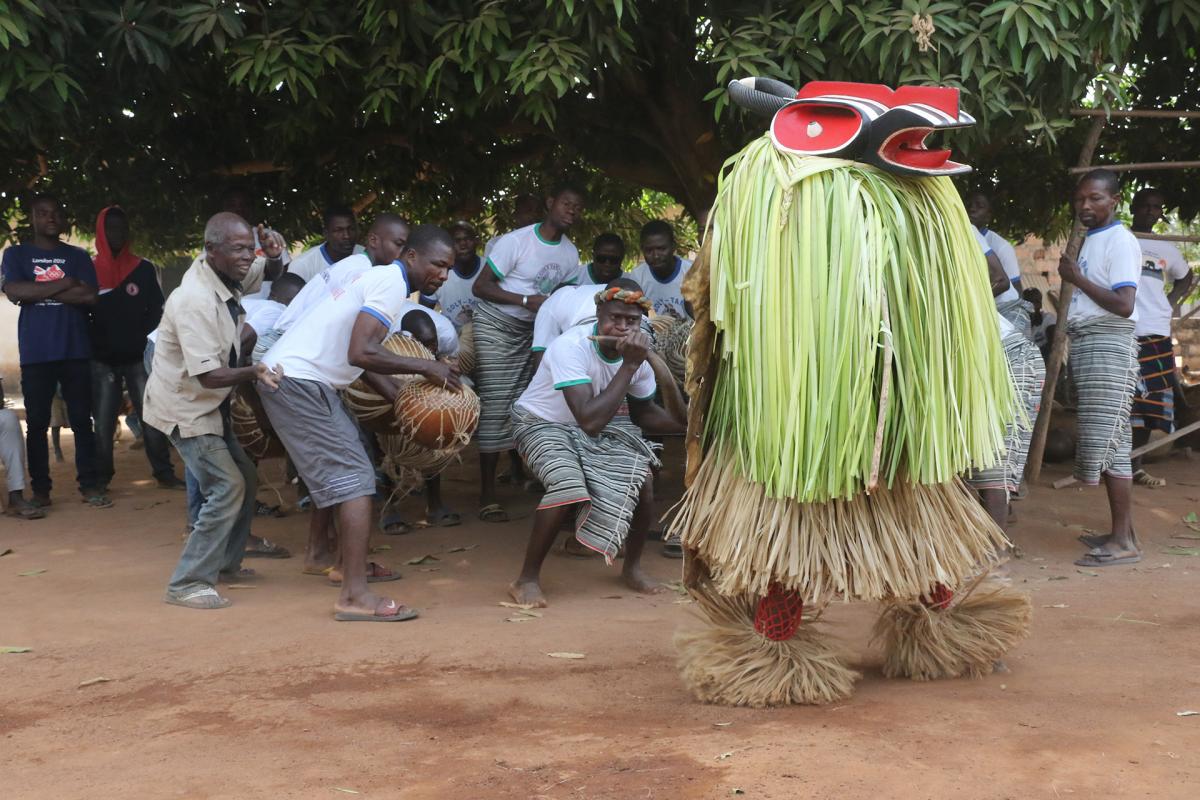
(55, 285)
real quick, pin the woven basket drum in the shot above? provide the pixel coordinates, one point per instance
(375, 413)
(436, 418)
(259, 443)
(670, 341)
(466, 350)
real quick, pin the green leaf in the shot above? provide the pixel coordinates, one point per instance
(10, 649)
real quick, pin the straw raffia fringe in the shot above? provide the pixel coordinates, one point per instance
(729, 663)
(897, 542)
(965, 639)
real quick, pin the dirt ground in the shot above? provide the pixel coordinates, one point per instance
(273, 699)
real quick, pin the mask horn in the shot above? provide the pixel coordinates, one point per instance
(761, 95)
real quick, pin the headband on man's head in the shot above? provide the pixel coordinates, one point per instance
(628, 296)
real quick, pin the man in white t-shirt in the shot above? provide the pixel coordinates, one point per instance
(575, 305)
(388, 235)
(563, 424)
(262, 314)
(608, 254)
(661, 272)
(1154, 403)
(341, 241)
(524, 267)
(1011, 305)
(456, 297)
(339, 341)
(1103, 360)
(526, 210)
(1041, 320)
(996, 484)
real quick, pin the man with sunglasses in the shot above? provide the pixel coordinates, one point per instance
(573, 305)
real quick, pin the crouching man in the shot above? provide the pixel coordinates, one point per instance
(564, 429)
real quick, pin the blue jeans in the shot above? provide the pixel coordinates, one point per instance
(228, 482)
(107, 381)
(38, 384)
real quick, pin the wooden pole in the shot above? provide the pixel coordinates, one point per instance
(1167, 237)
(1135, 112)
(1141, 451)
(1144, 165)
(1058, 349)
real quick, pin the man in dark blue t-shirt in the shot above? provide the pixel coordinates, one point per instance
(54, 283)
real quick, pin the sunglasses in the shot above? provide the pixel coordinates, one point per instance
(607, 259)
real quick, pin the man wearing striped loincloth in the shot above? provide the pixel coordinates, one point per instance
(1103, 360)
(564, 429)
(523, 269)
(1154, 403)
(996, 484)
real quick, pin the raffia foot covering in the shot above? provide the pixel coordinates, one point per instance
(893, 543)
(965, 639)
(729, 663)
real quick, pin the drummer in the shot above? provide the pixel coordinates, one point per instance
(429, 328)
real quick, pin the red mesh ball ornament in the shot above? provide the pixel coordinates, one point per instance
(778, 614)
(939, 599)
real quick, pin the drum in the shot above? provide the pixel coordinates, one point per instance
(670, 341)
(373, 412)
(257, 440)
(466, 350)
(436, 418)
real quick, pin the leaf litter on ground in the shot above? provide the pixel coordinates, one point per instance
(573, 656)
(30, 573)
(1176, 550)
(93, 682)
(462, 548)
(428, 558)
(11, 649)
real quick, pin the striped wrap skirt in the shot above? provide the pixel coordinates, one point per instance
(1017, 312)
(503, 369)
(1154, 401)
(1103, 364)
(603, 475)
(1028, 373)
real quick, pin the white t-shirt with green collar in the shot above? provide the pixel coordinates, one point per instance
(574, 360)
(524, 263)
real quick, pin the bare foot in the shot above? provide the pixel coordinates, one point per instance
(527, 593)
(638, 581)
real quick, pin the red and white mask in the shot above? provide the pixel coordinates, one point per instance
(863, 122)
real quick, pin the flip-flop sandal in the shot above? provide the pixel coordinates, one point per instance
(394, 525)
(672, 548)
(493, 512)
(264, 510)
(1102, 558)
(399, 613)
(447, 519)
(203, 599)
(41, 501)
(266, 549)
(25, 512)
(1143, 478)
(376, 573)
(98, 501)
(1092, 540)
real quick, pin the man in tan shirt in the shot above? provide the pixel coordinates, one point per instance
(187, 398)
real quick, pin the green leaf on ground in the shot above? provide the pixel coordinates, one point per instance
(93, 682)
(1090, 573)
(567, 655)
(425, 559)
(1176, 550)
(462, 548)
(30, 573)
(1192, 535)
(1191, 517)
(11, 649)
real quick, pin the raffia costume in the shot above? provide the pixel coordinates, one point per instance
(845, 368)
